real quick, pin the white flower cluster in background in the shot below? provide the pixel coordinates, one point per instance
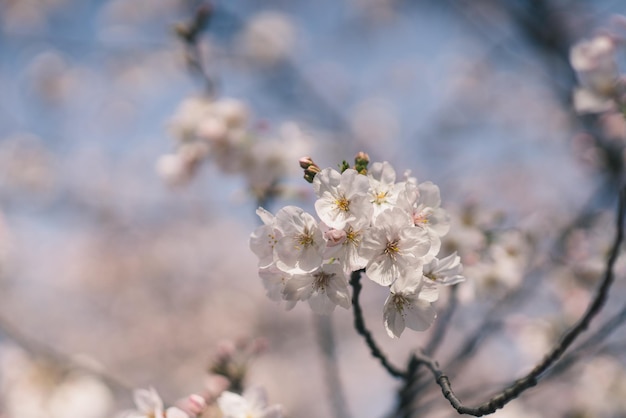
(368, 221)
(601, 87)
(220, 130)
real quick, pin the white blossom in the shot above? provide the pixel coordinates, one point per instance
(445, 271)
(323, 288)
(394, 247)
(252, 404)
(344, 245)
(409, 305)
(342, 197)
(264, 239)
(300, 248)
(274, 281)
(384, 190)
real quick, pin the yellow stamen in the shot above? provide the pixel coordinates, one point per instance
(343, 204)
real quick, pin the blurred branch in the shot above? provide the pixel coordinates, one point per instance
(189, 33)
(531, 379)
(39, 349)
(441, 326)
(327, 344)
(359, 325)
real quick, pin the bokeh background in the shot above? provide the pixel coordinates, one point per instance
(105, 263)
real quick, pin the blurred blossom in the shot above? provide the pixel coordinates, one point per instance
(268, 38)
(594, 62)
(47, 73)
(601, 388)
(26, 165)
(149, 404)
(27, 15)
(508, 257)
(220, 131)
(34, 388)
(376, 10)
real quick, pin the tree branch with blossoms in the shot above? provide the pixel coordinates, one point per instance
(531, 379)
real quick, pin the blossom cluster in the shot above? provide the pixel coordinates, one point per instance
(220, 130)
(368, 222)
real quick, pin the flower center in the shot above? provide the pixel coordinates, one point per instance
(399, 301)
(380, 198)
(321, 280)
(392, 249)
(305, 239)
(343, 204)
(353, 237)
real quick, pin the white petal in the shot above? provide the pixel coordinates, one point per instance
(256, 397)
(232, 405)
(393, 320)
(148, 400)
(420, 315)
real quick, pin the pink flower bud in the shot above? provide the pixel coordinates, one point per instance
(335, 237)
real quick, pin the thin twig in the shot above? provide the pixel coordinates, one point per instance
(359, 325)
(531, 379)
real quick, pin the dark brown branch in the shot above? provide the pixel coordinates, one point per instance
(359, 325)
(531, 379)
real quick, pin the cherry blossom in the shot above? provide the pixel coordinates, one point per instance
(300, 248)
(445, 271)
(342, 197)
(394, 247)
(323, 288)
(409, 305)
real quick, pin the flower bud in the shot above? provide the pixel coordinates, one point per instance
(361, 160)
(335, 237)
(310, 168)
